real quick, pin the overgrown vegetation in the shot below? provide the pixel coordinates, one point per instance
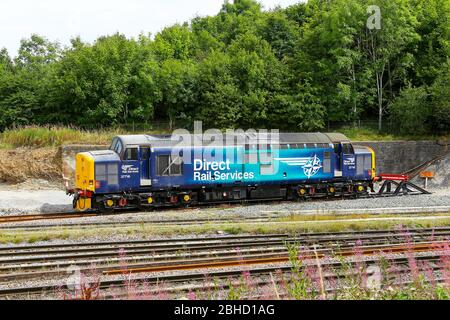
(49, 136)
(294, 69)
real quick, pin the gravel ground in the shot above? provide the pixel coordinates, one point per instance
(268, 209)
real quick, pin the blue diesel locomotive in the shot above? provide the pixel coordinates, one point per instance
(154, 171)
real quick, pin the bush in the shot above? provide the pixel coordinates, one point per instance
(411, 111)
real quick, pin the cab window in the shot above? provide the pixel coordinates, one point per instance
(118, 147)
(347, 149)
(131, 154)
(145, 153)
(113, 144)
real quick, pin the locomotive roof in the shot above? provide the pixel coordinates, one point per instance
(284, 138)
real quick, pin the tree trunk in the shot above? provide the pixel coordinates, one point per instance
(380, 100)
(171, 122)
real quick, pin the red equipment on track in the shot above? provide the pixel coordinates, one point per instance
(401, 183)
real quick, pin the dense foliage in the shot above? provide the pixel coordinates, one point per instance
(292, 69)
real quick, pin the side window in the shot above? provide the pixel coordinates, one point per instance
(326, 162)
(360, 165)
(347, 149)
(265, 157)
(367, 163)
(145, 153)
(176, 168)
(109, 173)
(251, 156)
(113, 174)
(100, 172)
(162, 165)
(168, 166)
(131, 154)
(267, 169)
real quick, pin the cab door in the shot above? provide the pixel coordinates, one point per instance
(348, 161)
(144, 159)
(130, 169)
(338, 153)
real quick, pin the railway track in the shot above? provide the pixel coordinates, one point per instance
(44, 216)
(47, 261)
(78, 251)
(268, 216)
(196, 276)
(262, 218)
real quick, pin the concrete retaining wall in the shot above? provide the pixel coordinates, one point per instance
(392, 156)
(400, 156)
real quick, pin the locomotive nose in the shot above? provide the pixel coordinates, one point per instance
(84, 181)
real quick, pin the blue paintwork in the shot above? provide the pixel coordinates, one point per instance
(291, 166)
(129, 175)
(348, 165)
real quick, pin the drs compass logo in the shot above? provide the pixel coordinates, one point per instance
(312, 166)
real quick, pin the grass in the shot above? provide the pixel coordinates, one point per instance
(275, 226)
(54, 136)
(51, 136)
(35, 136)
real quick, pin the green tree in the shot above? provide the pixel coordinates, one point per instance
(386, 49)
(440, 102)
(176, 81)
(410, 111)
(106, 83)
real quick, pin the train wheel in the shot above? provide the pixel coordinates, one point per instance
(106, 206)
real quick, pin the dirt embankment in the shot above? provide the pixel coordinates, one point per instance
(19, 165)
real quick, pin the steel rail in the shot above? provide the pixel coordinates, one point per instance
(192, 247)
(192, 276)
(220, 264)
(137, 222)
(222, 259)
(166, 223)
(206, 241)
(204, 256)
(44, 216)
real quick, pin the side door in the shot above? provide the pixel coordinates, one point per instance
(144, 159)
(338, 153)
(348, 161)
(130, 169)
